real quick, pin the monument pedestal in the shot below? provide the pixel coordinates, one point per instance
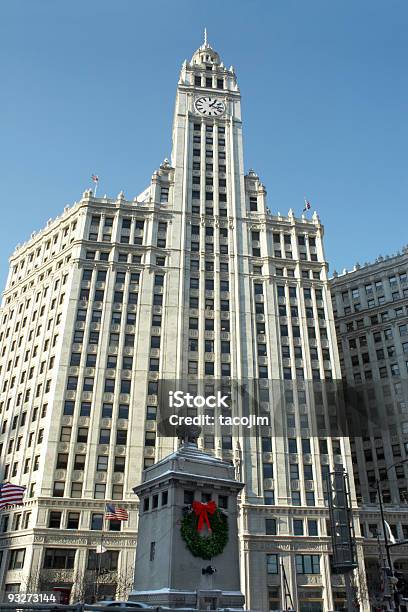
(187, 550)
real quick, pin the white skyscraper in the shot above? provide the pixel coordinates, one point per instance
(194, 279)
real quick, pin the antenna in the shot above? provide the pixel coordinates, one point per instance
(205, 37)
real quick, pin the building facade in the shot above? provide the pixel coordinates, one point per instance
(371, 311)
(194, 279)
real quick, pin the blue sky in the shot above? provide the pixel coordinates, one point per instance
(89, 87)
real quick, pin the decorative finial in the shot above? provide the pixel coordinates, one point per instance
(205, 37)
(188, 434)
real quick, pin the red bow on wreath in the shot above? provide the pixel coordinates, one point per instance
(202, 511)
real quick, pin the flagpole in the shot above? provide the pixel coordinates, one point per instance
(98, 573)
(95, 180)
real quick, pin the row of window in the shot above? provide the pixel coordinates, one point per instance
(121, 257)
(298, 527)
(375, 320)
(287, 241)
(372, 303)
(120, 276)
(24, 306)
(72, 520)
(292, 292)
(41, 251)
(122, 411)
(208, 128)
(377, 286)
(109, 386)
(102, 462)
(76, 490)
(305, 564)
(291, 273)
(208, 81)
(104, 435)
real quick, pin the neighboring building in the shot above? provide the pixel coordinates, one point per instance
(371, 310)
(195, 278)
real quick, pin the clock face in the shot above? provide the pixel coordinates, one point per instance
(209, 106)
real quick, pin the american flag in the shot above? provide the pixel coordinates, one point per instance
(10, 494)
(307, 206)
(95, 178)
(116, 514)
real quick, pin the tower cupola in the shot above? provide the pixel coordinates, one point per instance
(206, 54)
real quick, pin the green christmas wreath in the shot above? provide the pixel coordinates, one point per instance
(205, 547)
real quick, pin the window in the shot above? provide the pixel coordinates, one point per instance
(209, 368)
(104, 436)
(308, 472)
(188, 497)
(270, 526)
(73, 520)
(266, 445)
(296, 501)
(90, 361)
(85, 409)
(75, 359)
(82, 434)
(272, 566)
(151, 413)
(125, 386)
(108, 561)
(123, 412)
(100, 491)
(107, 411)
(54, 520)
(269, 498)
(312, 527)
(267, 469)
(58, 490)
(69, 408)
(403, 330)
(294, 471)
(307, 564)
(226, 442)
(119, 464)
(96, 521)
(79, 462)
(109, 385)
(59, 558)
(76, 489)
(102, 463)
(62, 461)
(88, 384)
(298, 527)
(121, 436)
(72, 383)
(16, 559)
(310, 498)
(117, 492)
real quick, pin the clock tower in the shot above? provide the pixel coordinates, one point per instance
(207, 137)
(211, 198)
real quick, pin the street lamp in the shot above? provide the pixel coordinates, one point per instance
(387, 545)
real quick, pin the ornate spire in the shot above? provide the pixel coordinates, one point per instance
(205, 37)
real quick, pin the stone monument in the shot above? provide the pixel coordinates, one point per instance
(187, 549)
